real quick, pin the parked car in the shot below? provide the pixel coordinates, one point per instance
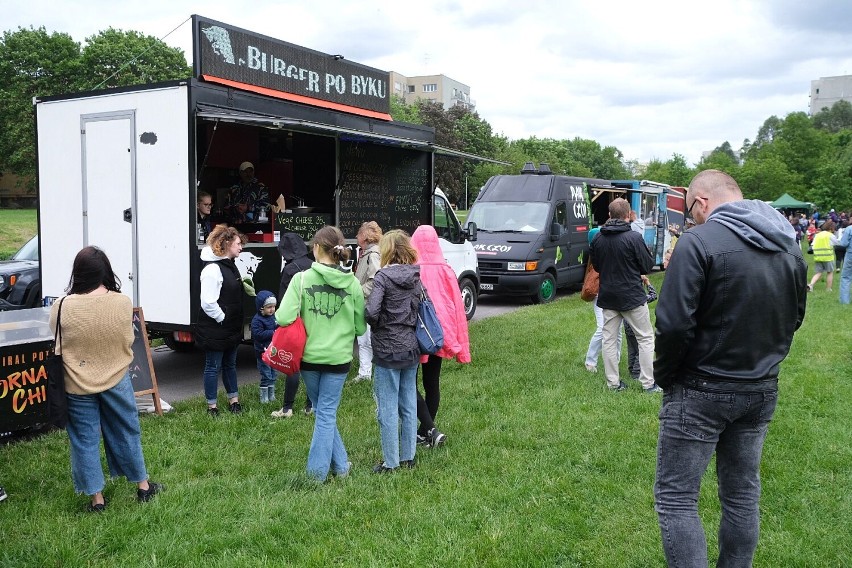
(20, 285)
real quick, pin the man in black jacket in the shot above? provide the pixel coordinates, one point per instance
(734, 294)
(622, 260)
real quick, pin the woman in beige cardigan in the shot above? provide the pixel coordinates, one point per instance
(96, 334)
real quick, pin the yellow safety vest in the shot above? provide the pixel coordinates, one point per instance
(823, 249)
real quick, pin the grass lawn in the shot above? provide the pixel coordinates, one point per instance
(17, 226)
(543, 467)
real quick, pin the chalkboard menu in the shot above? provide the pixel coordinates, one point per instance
(304, 225)
(142, 367)
(385, 184)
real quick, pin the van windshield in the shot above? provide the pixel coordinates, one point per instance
(509, 216)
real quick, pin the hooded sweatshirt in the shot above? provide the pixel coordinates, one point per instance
(621, 258)
(368, 265)
(295, 254)
(443, 289)
(392, 315)
(734, 294)
(262, 327)
(220, 321)
(331, 304)
(756, 223)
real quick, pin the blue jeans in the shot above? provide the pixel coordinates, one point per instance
(693, 424)
(396, 410)
(215, 361)
(267, 373)
(845, 281)
(113, 414)
(327, 451)
(597, 337)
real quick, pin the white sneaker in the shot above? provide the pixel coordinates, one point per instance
(360, 379)
(282, 413)
(591, 368)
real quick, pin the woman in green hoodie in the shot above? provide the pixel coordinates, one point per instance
(331, 303)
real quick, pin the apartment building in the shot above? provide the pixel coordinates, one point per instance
(437, 88)
(826, 91)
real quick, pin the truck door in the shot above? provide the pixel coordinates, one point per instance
(109, 191)
(563, 245)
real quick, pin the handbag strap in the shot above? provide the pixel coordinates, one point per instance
(58, 332)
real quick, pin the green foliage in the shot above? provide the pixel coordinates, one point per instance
(833, 184)
(719, 160)
(674, 172)
(116, 58)
(767, 177)
(34, 63)
(402, 112)
(836, 118)
(800, 145)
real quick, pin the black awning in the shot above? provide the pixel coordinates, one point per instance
(349, 134)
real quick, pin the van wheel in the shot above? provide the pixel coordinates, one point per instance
(546, 289)
(469, 296)
(178, 346)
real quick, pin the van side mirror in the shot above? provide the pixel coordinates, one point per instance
(470, 231)
(555, 231)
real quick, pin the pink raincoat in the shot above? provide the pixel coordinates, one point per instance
(443, 288)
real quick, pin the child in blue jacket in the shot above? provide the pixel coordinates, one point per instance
(262, 327)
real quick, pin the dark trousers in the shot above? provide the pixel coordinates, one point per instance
(291, 387)
(632, 351)
(427, 408)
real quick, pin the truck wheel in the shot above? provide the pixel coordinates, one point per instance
(469, 296)
(546, 289)
(178, 346)
(34, 298)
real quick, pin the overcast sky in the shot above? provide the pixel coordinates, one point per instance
(651, 78)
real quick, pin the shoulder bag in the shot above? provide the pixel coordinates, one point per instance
(430, 334)
(591, 284)
(57, 402)
(287, 347)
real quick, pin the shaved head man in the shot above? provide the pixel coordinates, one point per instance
(734, 294)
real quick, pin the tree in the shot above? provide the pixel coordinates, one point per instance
(767, 178)
(836, 118)
(800, 145)
(404, 112)
(115, 58)
(833, 184)
(604, 163)
(721, 160)
(673, 172)
(449, 172)
(32, 63)
(766, 133)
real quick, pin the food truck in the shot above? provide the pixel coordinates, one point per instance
(122, 169)
(649, 200)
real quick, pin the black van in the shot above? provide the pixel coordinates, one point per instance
(532, 232)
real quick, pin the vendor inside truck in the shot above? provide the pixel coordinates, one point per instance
(247, 198)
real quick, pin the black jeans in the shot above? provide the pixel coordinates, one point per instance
(427, 409)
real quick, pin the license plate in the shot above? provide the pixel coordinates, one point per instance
(483, 286)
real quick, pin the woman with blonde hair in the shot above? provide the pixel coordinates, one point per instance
(219, 330)
(331, 303)
(368, 265)
(392, 315)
